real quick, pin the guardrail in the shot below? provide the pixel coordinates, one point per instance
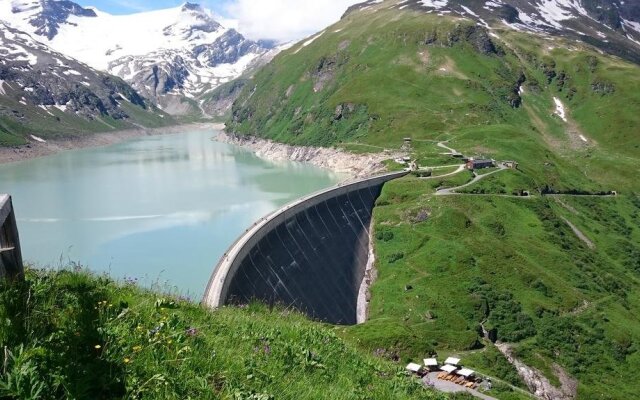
(11, 266)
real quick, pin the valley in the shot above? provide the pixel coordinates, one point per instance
(513, 242)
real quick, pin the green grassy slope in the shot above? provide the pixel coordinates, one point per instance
(24, 120)
(512, 264)
(72, 335)
(372, 79)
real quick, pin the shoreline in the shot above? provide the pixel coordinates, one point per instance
(333, 159)
(37, 149)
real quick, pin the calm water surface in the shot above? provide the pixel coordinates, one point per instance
(161, 209)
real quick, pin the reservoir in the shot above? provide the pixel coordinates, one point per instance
(159, 209)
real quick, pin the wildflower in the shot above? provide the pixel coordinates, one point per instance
(191, 332)
(170, 341)
(137, 348)
(127, 361)
(97, 347)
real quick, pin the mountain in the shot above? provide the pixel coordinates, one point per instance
(611, 25)
(540, 290)
(169, 56)
(45, 93)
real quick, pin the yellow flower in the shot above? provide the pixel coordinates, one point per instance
(127, 361)
(137, 348)
(170, 341)
(97, 346)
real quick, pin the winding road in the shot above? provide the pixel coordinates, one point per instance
(451, 191)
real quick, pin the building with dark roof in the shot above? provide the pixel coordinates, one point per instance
(479, 164)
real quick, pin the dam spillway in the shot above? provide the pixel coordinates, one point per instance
(310, 255)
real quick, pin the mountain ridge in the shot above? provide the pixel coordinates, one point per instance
(45, 93)
(171, 56)
(611, 25)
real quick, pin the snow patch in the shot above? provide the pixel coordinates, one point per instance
(489, 5)
(584, 139)
(556, 11)
(560, 110)
(437, 4)
(308, 42)
(61, 107)
(38, 139)
(632, 24)
(45, 109)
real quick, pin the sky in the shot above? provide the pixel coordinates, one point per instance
(281, 20)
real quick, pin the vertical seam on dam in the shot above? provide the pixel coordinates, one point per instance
(310, 255)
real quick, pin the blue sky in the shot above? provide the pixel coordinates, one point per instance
(281, 20)
(131, 6)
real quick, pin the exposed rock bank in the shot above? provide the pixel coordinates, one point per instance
(340, 161)
(370, 275)
(537, 383)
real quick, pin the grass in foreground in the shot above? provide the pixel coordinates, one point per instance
(72, 335)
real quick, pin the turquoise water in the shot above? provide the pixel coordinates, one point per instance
(160, 209)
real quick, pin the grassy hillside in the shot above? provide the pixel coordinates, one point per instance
(18, 121)
(70, 335)
(561, 296)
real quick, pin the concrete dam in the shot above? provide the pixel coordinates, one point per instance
(310, 255)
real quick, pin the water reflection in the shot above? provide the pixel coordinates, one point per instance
(169, 203)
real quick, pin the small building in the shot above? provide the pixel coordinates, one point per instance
(479, 164)
(413, 367)
(452, 361)
(448, 368)
(510, 164)
(466, 372)
(431, 364)
(407, 140)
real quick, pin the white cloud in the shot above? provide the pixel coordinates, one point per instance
(285, 20)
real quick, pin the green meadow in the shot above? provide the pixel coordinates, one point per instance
(451, 268)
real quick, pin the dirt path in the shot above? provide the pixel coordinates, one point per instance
(478, 178)
(579, 234)
(457, 171)
(442, 145)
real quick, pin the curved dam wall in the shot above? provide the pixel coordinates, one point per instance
(310, 255)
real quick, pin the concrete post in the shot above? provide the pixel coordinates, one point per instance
(11, 266)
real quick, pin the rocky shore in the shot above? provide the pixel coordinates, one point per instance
(41, 148)
(340, 161)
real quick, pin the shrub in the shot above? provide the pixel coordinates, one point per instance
(395, 257)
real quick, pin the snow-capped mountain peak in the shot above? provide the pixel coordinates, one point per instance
(45, 16)
(193, 23)
(175, 52)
